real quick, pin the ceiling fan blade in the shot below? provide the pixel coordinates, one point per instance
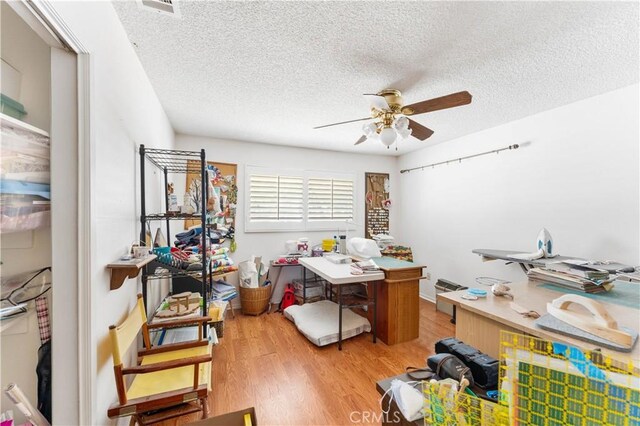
(342, 122)
(419, 131)
(362, 139)
(377, 101)
(444, 102)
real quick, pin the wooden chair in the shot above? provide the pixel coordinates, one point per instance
(165, 376)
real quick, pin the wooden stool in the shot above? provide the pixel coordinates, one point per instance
(181, 299)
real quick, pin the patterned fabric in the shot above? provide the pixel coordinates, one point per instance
(398, 252)
(43, 319)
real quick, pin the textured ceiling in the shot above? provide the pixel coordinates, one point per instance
(270, 71)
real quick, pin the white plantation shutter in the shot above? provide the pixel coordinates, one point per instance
(276, 198)
(285, 200)
(290, 198)
(329, 199)
(342, 199)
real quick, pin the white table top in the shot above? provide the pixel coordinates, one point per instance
(335, 273)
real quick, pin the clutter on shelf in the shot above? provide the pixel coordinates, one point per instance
(187, 256)
(180, 305)
(168, 309)
(24, 177)
(17, 291)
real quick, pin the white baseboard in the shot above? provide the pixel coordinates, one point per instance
(427, 298)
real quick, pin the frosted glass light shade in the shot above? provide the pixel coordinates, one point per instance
(401, 123)
(369, 129)
(387, 136)
(404, 133)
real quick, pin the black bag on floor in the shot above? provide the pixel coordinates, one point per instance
(43, 370)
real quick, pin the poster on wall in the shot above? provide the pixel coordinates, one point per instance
(222, 194)
(377, 204)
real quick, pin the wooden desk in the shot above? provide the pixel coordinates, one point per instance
(478, 322)
(398, 300)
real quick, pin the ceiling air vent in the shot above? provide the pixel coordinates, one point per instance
(167, 7)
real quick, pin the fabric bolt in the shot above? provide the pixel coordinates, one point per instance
(44, 326)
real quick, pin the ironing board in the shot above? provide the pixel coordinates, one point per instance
(526, 264)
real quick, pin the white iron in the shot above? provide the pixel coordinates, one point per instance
(545, 243)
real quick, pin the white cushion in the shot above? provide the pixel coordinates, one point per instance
(319, 322)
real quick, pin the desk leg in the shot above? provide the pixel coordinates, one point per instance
(304, 285)
(274, 284)
(339, 289)
(375, 309)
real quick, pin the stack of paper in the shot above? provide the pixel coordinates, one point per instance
(565, 276)
(364, 267)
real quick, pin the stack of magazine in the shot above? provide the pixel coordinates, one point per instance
(574, 277)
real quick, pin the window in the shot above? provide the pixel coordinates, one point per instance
(296, 200)
(330, 199)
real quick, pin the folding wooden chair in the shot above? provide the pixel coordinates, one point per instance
(165, 376)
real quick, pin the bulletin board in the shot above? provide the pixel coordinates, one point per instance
(226, 187)
(377, 203)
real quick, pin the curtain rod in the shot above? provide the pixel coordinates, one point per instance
(514, 146)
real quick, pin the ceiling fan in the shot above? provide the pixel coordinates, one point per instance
(391, 116)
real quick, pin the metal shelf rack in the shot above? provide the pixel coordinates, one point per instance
(175, 161)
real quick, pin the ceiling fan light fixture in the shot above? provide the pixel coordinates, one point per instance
(388, 136)
(401, 123)
(404, 133)
(369, 129)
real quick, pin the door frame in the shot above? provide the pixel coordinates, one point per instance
(44, 19)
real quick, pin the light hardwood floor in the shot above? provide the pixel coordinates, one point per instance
(264, 362)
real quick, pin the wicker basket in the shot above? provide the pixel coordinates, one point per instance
(218, 326)
(255, 301)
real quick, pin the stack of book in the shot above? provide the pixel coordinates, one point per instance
(573, 277)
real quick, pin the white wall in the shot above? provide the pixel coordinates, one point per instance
(578, 177)
(271, 244)
(125, 112)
